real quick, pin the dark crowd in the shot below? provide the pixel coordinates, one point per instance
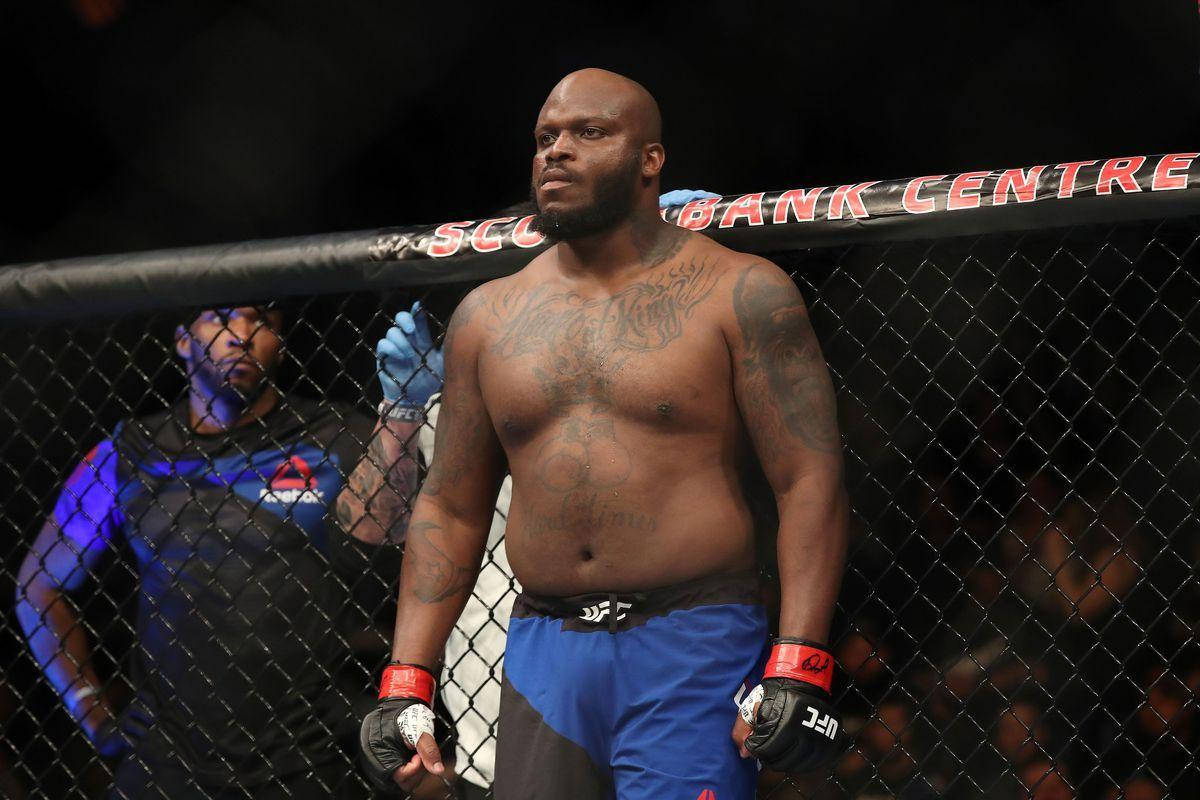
(1021, 602)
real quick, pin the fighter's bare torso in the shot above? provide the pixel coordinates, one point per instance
(614, 404)
(624, 378)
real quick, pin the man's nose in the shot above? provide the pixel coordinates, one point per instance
(561, 149)
(240, 332)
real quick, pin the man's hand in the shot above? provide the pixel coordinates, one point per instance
(396, 741)
(114, 736)
(410, 367)
(788, 721)
(107, 737)
(681, 197)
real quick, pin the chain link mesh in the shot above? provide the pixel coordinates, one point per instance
(1019, 609)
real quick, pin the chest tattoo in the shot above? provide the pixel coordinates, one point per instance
(579, 346)
(585, 343)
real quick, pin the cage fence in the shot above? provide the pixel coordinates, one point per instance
(1018, 614)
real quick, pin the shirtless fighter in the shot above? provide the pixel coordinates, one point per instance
(623, 378)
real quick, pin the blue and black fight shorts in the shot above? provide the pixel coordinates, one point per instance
(630, 696)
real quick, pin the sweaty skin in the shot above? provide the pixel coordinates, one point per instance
(623, 377)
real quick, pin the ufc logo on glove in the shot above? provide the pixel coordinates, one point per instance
(821, 723)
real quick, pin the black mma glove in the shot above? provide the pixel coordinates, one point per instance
(389, 733)
(796, 726)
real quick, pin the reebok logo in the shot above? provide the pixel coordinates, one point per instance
(707, 794)
(292, 482)
(601, 610)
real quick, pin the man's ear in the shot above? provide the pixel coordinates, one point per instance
(183, 341)
(653, 158)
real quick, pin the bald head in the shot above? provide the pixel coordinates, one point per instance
(598, 155)
(614, 95)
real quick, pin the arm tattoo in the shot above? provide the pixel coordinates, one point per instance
(435, 575)
(460, 433)
(375, 506)
(786, 376)
(459, 439)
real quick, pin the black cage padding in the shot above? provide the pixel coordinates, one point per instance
(987, 201)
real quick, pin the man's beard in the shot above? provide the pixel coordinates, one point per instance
(612, 203)
(222, 396)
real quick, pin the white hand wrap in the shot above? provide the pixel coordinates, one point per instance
(417, 719)
(747, 707)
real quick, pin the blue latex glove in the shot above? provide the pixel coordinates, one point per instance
(410, 367)
(681, 197)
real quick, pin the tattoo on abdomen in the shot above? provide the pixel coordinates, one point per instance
(789, 384)
(592, 512)
(584, 453)
(585, 463)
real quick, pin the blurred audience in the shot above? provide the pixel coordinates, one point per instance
(1046, 781)
(1137, 788)
(1052, 662)
(98, 13)
(1020, 735)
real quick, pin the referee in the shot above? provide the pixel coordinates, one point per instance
(250, 544)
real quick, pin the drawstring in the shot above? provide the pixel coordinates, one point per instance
(613, 609)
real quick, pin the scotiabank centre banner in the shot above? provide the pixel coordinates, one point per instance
(851, 204)
(1096, 191)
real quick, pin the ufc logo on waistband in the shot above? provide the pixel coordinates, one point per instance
(601, 610)
(826, 724)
